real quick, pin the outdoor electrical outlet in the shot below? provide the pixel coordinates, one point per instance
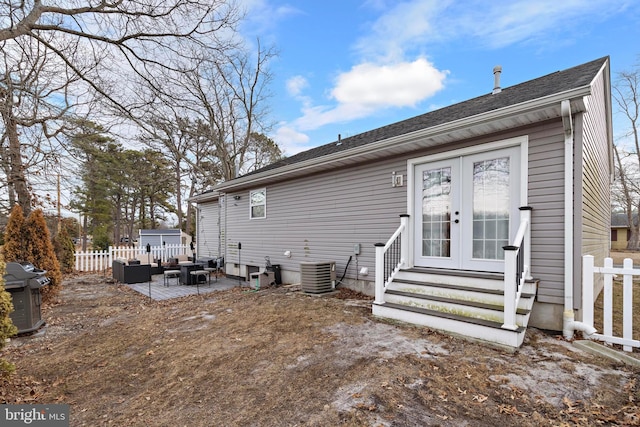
(356, 249)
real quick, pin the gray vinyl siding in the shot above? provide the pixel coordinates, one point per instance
(594, 183)
(208, 238)
(320, 218)
(546, 197)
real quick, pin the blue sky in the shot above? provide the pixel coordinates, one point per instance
(345, 67)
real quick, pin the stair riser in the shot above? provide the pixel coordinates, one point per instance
(459, 294)
(459, 309)
(479, 283)
(503, 337)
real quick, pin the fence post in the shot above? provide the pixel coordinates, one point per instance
(510, 286)
(587, 290)
(607, 318)
(627, 301)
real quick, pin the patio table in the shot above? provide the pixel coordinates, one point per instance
(185, 273)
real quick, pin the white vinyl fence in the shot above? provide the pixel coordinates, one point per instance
(101, 260)
(609, 271)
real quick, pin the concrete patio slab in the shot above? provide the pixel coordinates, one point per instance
(158, 291)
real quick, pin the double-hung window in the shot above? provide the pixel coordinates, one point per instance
(258, 204)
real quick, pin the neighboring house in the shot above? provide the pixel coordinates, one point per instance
(451, 183)
(620, 230)
(158, 237)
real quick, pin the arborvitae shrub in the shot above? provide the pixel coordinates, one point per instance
(14, 248)
(7, 328)
(41, 254)
(65, 251)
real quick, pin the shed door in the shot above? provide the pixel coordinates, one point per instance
(466, 210)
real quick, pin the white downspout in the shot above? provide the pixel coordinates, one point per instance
(569, 325)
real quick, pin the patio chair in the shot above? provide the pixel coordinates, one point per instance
(169, 274)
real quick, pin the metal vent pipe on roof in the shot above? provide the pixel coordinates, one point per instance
(497, 70)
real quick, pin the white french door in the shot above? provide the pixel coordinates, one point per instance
(466, 210)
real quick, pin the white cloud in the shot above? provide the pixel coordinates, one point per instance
(380, 86)
(410, 25)
(401, 28)
(369, 87)
(295, 85)
(262, 15)
(504, 24)
(391, 70)
(290, 140)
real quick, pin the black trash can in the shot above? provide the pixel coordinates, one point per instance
(277, 275)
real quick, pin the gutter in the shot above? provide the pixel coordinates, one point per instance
(569, 325)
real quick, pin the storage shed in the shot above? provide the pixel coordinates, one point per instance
(156, 237)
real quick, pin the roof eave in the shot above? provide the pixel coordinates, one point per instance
(204, 197)
(575, 96)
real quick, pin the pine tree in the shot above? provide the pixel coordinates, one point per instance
(7, 328)
(41, 254)
(14, 248)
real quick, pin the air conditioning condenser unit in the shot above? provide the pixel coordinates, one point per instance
(318, 277)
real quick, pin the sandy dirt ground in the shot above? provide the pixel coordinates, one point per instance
(619, 256)
(278, 357)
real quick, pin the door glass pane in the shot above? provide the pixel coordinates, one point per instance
(436, 212)
(490, 208)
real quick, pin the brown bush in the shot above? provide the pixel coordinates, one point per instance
(14, 248)
(40, 252)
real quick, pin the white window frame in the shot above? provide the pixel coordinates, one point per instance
(252, 205)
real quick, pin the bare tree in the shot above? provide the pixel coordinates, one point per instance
(627, 95)
(139, 37)
(227, 98)
(34, 102)
(212, 125)
(102, 50)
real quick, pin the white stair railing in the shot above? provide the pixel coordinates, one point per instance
(517, 268)
(390, 257)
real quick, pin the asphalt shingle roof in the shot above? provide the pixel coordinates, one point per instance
(557, 82)
(620, 220)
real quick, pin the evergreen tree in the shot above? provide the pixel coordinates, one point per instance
(14, 248)
(7, 328)
(100, 160)
(101, 240)
(65, 251)
(41, 254)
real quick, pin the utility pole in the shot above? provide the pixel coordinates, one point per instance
(59, 214)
